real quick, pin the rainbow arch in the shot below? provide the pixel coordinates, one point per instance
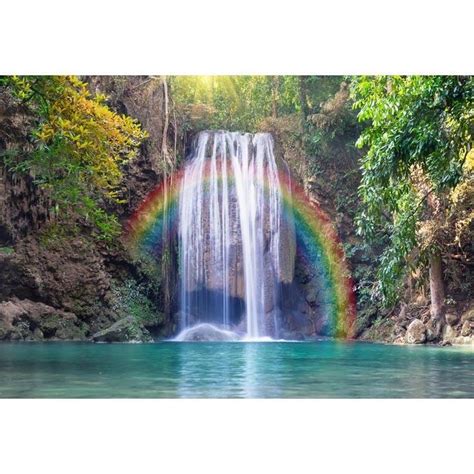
(317, 242)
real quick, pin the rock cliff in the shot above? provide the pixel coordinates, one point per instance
(55, 286)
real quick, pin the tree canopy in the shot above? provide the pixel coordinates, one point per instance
(242, 102)
(79, 145)
(417, 133)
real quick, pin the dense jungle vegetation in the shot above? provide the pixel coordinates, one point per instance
(78, 147)
(389, 157)
(416, 167)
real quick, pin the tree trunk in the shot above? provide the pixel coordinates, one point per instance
(437, 288)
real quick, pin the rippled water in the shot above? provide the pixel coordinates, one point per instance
(325, 369)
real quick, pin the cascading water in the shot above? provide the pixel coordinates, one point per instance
(230, 234)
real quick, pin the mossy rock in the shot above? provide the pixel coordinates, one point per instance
(59, 326)
(124, 330)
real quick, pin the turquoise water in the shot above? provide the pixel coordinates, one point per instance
(325, 369)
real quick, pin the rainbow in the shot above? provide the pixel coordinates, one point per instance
(316, 238)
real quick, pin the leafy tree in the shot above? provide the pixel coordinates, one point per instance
(234, 102)
(79, 146)
(230, 102)
(418, 134)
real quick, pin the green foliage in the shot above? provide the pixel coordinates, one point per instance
(242, 102)
(418, 128)
(7, 250)
(51, 234)
(213, 102)
(332, 119)
(130, 299)
(79, 146)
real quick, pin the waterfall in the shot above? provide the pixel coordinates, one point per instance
(230, 221)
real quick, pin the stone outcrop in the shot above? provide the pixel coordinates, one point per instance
(25, 320)
(457, 327)
(416, 332)
(124, 330)
(70, 274)
(74, 275)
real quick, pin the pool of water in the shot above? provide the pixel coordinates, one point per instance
(325, 369)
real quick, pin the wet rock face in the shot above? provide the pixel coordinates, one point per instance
(302, 303)
(416, 332)
(25, 320)
(70, 275)
(77, 283)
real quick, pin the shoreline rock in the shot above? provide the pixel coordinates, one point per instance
(416, 332)
(26, 320)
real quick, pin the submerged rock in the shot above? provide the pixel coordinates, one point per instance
(206, 332)
(416, 332)
(124, 330)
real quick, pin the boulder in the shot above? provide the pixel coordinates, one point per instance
(416, 332)
(123, 330)
(30, 320)
(466, 329)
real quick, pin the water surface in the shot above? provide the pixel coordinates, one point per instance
(325, 369)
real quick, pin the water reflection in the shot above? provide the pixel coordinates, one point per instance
(249, 378)
(253, 370)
